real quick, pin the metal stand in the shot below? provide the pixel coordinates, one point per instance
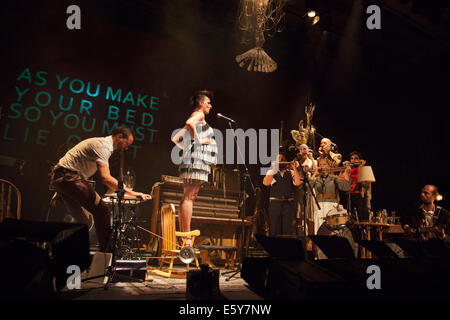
(116, 234)
(353, 213)
(129, 230)
(306, 185)
(245, 177)
(118, 230)
(116, 243)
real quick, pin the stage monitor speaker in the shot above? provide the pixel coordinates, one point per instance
(254, 272)
(282, 247)
(203, 284)
(36, 256)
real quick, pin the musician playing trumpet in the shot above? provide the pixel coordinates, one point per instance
(360, 192)
(309, 164)
(326, 186)
(326, 152)
(282, 179)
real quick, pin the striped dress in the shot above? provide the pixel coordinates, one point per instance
(197, 159)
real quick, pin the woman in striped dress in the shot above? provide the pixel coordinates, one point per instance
(199, 153)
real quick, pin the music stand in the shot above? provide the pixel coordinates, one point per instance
(424, 248)
(378, 248)
(334, 247)
(282, 247)
(437, 248)
(245, 177)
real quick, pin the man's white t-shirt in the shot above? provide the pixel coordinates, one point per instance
(84, 155)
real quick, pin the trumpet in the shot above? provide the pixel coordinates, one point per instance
(336, 169)
(288, 163)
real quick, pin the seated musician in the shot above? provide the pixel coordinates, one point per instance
(282, 179)
(429, 220)
(326, 186)
(69, 178)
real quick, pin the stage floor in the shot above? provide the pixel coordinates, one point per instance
(156, 288)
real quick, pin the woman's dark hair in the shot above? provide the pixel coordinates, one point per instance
(356, 153)
(125, 131)
(199, 95)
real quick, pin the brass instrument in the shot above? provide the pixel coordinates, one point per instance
(287, 163)
(342, 168)
(336, 169)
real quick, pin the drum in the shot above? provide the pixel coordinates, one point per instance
(337, 221)
(130, 206)
(345, 232)
(112, 198)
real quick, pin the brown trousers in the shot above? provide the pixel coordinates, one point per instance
(80, 197)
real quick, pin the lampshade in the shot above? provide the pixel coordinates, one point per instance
(366, 174)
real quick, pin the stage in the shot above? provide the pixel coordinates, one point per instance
(156, 288)
(97, 91)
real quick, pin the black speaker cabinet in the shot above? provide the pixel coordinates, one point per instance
(203, 284)
(36, 256)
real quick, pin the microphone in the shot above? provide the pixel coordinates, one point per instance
(219, 115)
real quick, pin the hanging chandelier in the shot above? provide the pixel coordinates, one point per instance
(257, 17)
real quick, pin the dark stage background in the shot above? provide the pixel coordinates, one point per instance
(382, 92)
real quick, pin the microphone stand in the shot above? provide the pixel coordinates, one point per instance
(306, 185)
(245, 177)
(349, 205)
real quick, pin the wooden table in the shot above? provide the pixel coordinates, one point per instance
(379, 228)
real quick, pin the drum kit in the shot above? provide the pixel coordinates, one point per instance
(337, 218)
(337, 223)
(127, 237)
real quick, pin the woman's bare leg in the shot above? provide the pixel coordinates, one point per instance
(187, 202)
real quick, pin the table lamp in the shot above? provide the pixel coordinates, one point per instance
(366, 174)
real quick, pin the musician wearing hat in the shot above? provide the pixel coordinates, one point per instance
(282, 179)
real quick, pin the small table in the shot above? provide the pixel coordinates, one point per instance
(380, 228)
